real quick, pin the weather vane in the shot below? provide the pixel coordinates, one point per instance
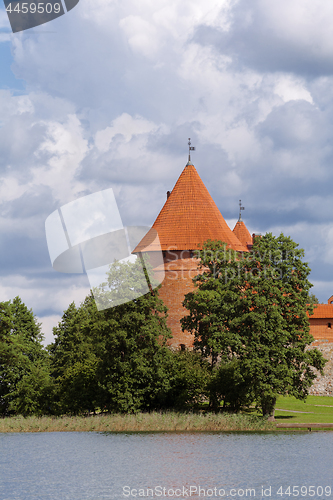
(240, 209)
(190, 148)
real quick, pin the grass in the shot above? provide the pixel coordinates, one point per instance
(319, 409)
(141, 422)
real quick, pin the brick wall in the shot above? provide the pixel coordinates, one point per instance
(177, 283)
(320, 330)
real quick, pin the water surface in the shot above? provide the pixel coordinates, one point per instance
(94, 466)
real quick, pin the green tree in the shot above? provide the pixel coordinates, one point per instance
(253, 308)
(189, 377)
(229, 385)
(24, 371)
(74, 359)
(115, 359)
(313, 299)
(133, 374)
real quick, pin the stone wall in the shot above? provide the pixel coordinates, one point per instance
(323, 385)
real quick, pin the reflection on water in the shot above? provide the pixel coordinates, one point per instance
(79, 466)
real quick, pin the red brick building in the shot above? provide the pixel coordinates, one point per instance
(188, 218)
(321, 322)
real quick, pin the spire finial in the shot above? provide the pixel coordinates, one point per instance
(190, 148)
(240, 210)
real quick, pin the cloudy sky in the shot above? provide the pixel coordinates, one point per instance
(107, 96)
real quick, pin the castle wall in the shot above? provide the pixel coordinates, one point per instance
(177, 283)
(321, 323)
(320, 330)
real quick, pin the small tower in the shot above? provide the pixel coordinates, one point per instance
(241, 231)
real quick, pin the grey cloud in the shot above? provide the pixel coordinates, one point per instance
(295, 124)
(108, 169)
(174, 143)
(100, 74)
(23, 246)
(254, 41)
(21, 254)
(46, 292)
(36, 201)
(19, 139)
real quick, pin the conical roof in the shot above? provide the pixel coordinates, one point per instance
(242, 233)
(188, 218)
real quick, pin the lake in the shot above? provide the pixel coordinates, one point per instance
(94, 466)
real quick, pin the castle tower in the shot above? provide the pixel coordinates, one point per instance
(188, 218)
(241, 231)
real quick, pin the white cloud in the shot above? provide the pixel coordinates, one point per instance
(10, 189)
(66, 148)
(142, 36)
(290, 88)
(125, 125)
(300, 22)
(47, 325)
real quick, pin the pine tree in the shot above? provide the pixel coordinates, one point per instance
(74, 360)
(24, 373)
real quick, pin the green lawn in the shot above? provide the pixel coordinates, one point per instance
(317, 409)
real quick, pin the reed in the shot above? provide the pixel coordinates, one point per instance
(141, 422)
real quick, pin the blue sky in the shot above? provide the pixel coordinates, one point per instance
(107, 96)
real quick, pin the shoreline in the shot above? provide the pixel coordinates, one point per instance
(154, 422)
(141, 422)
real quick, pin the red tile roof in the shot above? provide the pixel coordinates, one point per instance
(189, 217)
(242, 233)
(322, 311)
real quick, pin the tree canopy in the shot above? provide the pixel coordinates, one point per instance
(249, 314)
(251, 309)
(24, 375)
(113, 359)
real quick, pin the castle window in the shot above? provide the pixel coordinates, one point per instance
(164, 254)
(191, 254)
(182, 347)
(329, 325)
